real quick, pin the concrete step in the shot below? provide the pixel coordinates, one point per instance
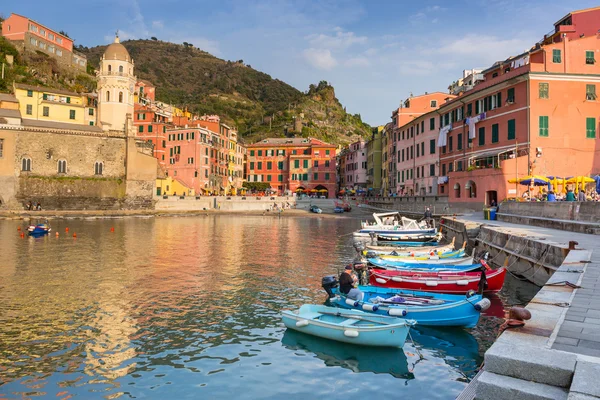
(491, 386)
(551, 367)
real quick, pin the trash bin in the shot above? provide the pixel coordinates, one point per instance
(493, 213)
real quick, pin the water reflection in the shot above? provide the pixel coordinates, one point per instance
(189, 307)
(355, 358)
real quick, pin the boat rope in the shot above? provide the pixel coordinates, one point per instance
(416, 347)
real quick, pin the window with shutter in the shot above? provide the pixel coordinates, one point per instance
(495, 133)
(589, 57)
(481, 134)
(590, 92)
(543, 126)
(590, 128)
(556, 56)
(511, 129)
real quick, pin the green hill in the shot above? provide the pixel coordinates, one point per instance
(185, 76)
(258, 105)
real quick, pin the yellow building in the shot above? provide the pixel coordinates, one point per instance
(55, 105)
(168, 186)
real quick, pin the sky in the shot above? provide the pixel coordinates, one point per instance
(374, 52)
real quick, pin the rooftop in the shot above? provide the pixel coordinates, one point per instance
(34, 123)
(43, 26)
(8, 98)
(22, 86)
(10, 113)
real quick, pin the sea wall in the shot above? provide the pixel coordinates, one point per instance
(439, 205)
(223, 203)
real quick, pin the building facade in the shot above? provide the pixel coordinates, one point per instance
(29, 35)
(536, 113)
(374, 162)
(417, 156)
(47, 104)
(293, 165)
(355, 166)
(116, 87)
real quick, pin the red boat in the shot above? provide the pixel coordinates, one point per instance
(439, 282)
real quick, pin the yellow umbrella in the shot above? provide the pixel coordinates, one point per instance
(577, 180)
(322, 190)
(527, 178)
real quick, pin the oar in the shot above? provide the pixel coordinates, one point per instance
(350, 316)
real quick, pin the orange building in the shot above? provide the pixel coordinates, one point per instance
(30, 35)
(535, 113)
(292, 164)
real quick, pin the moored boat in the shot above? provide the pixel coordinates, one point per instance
(349, 326)
(38, 230)
(439, 282)
(404, 250)
(428, 309)
(406, 236)
(393, 222)
(460, 253)
(419, 263)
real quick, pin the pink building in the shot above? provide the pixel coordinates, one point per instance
(354, 173)
(417, 157)
(189, 153)
(411, 127)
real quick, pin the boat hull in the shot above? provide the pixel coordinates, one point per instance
(402, 237)
(456, 311)
(438, 282)
(318, 321)
(448, 262)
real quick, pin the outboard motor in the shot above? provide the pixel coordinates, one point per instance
(372, 254)
(328, 283)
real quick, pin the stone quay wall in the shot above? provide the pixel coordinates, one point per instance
(223, 203)
(416, 205)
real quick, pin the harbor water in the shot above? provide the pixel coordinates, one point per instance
(190, 308)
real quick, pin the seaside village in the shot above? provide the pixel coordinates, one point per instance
(524, 128)
(211, 304)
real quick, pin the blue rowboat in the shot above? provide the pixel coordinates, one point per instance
(349, 326)
(38, 230)
(428, 309)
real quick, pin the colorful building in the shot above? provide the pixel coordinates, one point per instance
(293, 165)
(535, 113)
(29, 35)
(47, 104)
(417, 156)
(411, 109)
(374, 161)
(355, 166)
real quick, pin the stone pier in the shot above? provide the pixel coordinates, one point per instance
(556, 355)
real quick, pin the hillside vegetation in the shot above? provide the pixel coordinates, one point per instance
(258, 105)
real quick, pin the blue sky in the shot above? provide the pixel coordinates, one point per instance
(375, 52)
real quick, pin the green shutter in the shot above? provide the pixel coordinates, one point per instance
(431, 124)
(469, 109)
(296, 163)
(68, 100)
(279, 178)
(543, 126)
(495, 133)
(556, 58)
(149, 128)
(141, 128)
(326, 176)
(511, 129)
(589, 57)
(305, 163)
(511, 95)
(481, 136)
(476, 107)
(432, 146)
(499, 99)
(459, 142)
(590, 128)
(316, 176)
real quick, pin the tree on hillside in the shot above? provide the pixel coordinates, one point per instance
(64, 34)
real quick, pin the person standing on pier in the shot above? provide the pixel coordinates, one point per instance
(427, 217)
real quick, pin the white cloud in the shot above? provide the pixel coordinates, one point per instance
(488, 48)
(341, 40)
(157, 25)
(319, 58)
(357, 62)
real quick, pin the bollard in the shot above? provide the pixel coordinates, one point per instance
(74, 235)
(66, 229)
(112, 229)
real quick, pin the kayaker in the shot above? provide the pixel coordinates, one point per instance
(348, 281)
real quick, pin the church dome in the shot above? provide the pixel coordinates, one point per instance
(116, 51)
